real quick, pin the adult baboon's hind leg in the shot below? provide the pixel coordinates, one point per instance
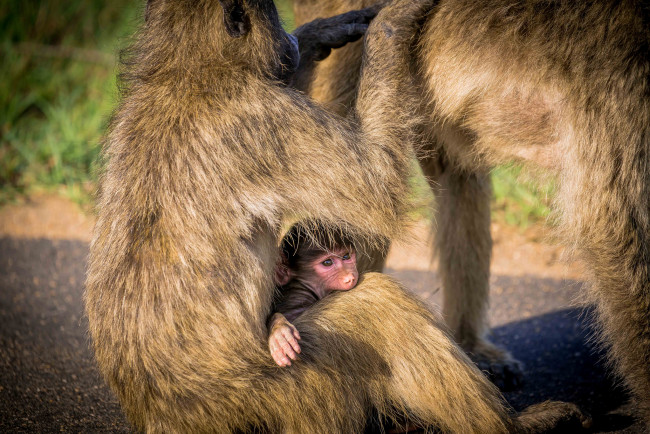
(429, 379)
(606, 216)
(464, 245)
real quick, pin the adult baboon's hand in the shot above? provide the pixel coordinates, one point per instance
(317, 38)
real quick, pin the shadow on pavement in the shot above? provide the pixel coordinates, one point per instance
(560, 364)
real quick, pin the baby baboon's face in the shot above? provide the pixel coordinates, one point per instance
(336, 270)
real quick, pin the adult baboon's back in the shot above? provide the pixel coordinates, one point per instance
(561, 84)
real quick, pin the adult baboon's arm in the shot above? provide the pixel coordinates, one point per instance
(355, 170)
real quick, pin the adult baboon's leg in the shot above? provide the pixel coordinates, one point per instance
(462, 242)
(606, 217)
(429, 379)
(464, 245)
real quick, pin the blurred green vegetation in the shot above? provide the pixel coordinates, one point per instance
(521, 197)
(58, 67)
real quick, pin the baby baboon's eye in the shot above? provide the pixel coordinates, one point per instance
(346, 257)
(327, 262)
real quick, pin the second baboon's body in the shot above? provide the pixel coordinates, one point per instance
(558, 84)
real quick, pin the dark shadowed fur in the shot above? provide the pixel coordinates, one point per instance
(560, 84)
(208, 155)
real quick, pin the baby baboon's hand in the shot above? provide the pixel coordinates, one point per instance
(283, 341)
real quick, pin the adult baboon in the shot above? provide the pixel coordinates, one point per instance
(561, 84)
(207, 154)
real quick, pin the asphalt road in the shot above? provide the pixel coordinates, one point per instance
(48, 382)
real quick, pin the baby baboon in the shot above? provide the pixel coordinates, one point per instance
(313, 266)
(560, 84)
(208, 153)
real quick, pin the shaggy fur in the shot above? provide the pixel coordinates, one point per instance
(207, 156)
(560, 84)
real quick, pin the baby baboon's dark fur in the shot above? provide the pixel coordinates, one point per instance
(208, 154)
(561, 84)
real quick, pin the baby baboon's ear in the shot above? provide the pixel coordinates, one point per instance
(235, 18)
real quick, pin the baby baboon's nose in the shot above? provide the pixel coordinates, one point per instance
(349, 280)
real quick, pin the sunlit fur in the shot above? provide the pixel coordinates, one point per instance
(559, 84)
(207, 156)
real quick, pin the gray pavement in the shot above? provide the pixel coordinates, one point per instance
(48, 381)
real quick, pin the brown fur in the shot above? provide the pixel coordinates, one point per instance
(207, 156)
(559, 84)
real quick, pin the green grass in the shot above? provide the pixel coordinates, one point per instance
(520, 198)
(58, 67)
(285, 9)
